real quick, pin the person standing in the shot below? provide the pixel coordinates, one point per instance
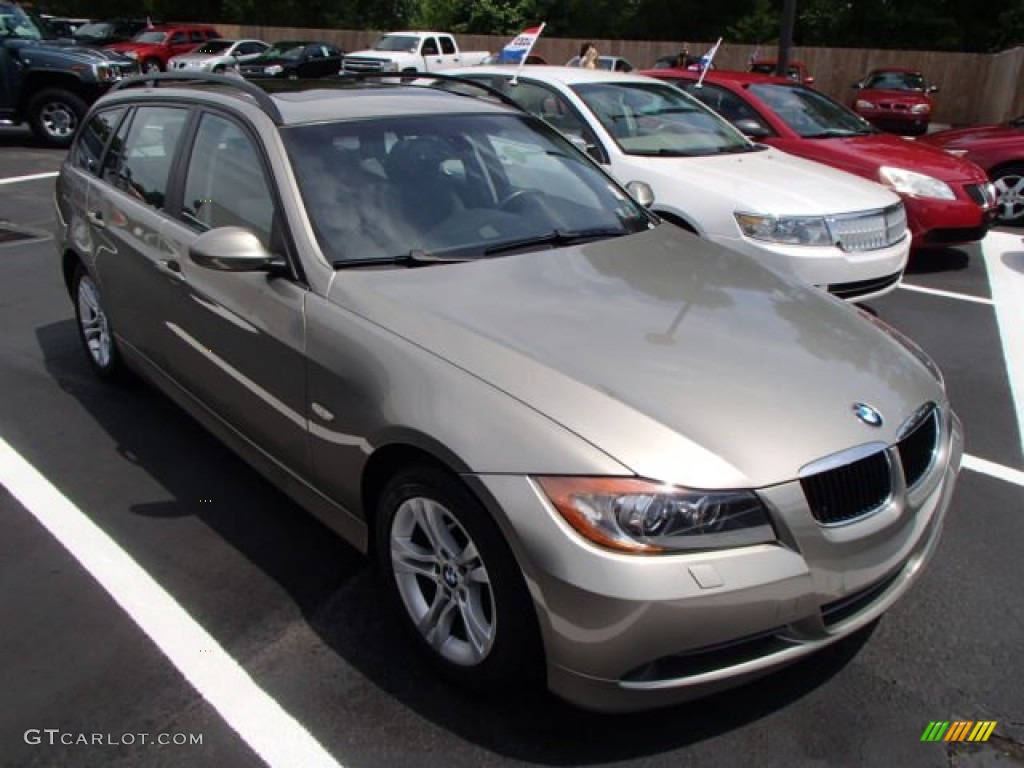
(588, 56)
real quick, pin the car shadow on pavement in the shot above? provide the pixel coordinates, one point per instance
(926, 261)
(19, 137)
(341, 599)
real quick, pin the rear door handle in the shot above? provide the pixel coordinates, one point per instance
(96, 219)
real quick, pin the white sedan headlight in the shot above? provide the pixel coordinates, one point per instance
(788, 230)
(915, 184)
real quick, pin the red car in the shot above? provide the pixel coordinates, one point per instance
(796, 70)
(153, 46)
(896, 100)
(948, 199)
(999, 149)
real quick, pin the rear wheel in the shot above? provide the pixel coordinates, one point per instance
(54, 115)
(454, 582)
(1009, 184)
(94, 328)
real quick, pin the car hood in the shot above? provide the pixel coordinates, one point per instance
(751, 183)
(137, 47)
(684, 361)
(969, 137)
(266, 61)
(900, 97)
(42, 51)
(199, 56)
(867, 154)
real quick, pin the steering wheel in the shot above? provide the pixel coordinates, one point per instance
(515, 200)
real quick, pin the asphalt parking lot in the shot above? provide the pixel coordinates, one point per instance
(248, 634)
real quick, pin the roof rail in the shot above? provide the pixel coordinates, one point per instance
(409, 78)
(261, 97)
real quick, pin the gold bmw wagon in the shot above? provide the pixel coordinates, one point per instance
(585, 448)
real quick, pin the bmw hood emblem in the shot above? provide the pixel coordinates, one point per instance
(868, 415)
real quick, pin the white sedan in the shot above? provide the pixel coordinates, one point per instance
(824, 226)
(218, 55)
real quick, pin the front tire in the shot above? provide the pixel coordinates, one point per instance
(452, 579)
(94, 328)
(54, 115)
(1009, 184)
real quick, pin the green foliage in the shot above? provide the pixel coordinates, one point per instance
(896, 24)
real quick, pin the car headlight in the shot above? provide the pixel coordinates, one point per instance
(645, 517)
(389, 66)
(104, 72)
(131, 54)
(274, 69)
(914, 184)
(789, 230)
(921, 109)
(863, 104)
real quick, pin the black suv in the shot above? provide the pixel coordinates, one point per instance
(50, 83)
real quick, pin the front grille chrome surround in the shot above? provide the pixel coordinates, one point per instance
(854, 484)
(869, 230)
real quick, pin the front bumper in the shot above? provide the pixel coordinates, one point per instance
(948, 222)
(624, 632)
(878, 271)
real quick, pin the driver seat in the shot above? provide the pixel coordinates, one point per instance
(426, 194)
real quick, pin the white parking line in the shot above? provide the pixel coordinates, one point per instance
(990, 468)
(1001, 250)
(32, 177)
(945, 294)
(260, 721)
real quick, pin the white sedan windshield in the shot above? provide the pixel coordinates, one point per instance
(658, 119)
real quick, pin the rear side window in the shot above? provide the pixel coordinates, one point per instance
(447, 45)
(143, 165)
(93, 140)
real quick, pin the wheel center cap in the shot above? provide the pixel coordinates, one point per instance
(451, 576)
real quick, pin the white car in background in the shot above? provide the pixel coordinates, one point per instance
(218, 55)
(826, 227)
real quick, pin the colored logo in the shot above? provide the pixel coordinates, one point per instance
(867, 414)
(959, 730)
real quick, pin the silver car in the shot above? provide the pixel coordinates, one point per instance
(219, 55)
(585, 447)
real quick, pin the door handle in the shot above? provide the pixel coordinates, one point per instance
(173, 266)
(96, 219)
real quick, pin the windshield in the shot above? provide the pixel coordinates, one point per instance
(397, 43)
(284, 51)
(658, 119)
(451, 187)
(150, 36)
(96, 29)
(895, 81)
(214, 46)
(14, 22)
(810, 113)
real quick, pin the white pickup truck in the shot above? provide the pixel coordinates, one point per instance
(412, 52)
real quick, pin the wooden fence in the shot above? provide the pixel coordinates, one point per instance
(973, 87)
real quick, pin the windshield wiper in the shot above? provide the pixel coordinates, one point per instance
(838, 133)
(556, 238)
(414, 258)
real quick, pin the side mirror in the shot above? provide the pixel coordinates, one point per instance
(809, 80)
(231, 249)
(641, 192)
(932, 89)
(751, 128)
